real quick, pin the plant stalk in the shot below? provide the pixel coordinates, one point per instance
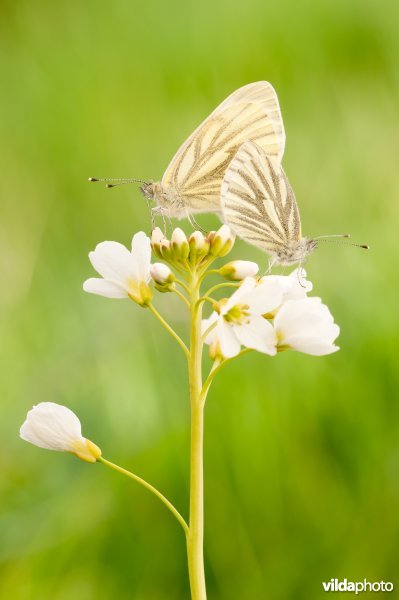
(195, 534)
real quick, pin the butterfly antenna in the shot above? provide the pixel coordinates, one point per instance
(121, 181)
(364, 246)
(334, 235)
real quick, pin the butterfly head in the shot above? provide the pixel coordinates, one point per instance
(149, 190)
(296, 251)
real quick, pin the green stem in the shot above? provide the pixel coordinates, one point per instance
(182, 284)
(181, 296)
(208, 331)
(195, 536)
(216, 367)
(220, 286)
(170, 330)
(150, 487)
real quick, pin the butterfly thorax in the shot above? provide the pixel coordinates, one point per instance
(166, 199)
(295, 252)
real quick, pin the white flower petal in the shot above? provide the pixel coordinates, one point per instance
(258, 334)
(105, 287)
(112, 261)
(52, 426)
(265, 297)
(141, 257)
(206, 323)
(311, 345)
(228, 341)
(307, 326)
(240, 294)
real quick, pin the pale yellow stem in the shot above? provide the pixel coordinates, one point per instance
(170, 330)
(195, 536)
(149, 487)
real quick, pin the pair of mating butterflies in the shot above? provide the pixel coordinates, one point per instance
(231, 165)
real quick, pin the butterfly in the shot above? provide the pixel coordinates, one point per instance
(192, 182)
(259, 205)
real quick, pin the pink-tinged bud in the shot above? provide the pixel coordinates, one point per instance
(180, 246)
(162, 274)
(198, 244)
(222, 241)
(157, 236)
(166, 249)
(239, 269)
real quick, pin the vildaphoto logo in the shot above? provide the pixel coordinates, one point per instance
(334, 585)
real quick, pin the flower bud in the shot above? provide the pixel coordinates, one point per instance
(239, 269)
(161, 273)
(198, 244)
(180, 246)
(222, 241)
(157, 236)
(163, 277)
(166, 250)
(55, 427)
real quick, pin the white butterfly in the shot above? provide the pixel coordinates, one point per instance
(259, 205)
(192, 182)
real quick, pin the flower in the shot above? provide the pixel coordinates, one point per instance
(125, 274)
(239, 321)
(239, 269)
(55, 427)
(307, 326)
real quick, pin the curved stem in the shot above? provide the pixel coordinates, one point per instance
(208, 330)
(210, 272)
(219, 286)
(183, 285)
(170, 330)
(182, 297)
(216, 367)
(149, 487)
(205, 299)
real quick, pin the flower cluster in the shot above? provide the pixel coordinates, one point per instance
(271, 314)
(268, 314)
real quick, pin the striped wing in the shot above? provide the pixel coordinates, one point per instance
(258, 202)
(196, 172)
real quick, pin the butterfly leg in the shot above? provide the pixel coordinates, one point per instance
(195, 224)
(299, 272)
(152, 212)
(272, 262)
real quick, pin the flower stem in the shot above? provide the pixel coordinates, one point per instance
(169, 329)
(195, 535)
(150, 487)
(217, 366)
(220, 286)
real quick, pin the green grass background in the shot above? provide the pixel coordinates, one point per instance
(302, 453)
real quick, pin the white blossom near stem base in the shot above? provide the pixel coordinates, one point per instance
(125, 274)
(306, 326)
(55, 427)
(240, 321)
(245, 319)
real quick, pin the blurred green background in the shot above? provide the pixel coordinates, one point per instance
(302, 453)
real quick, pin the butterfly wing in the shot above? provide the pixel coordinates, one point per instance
(196, 172)
(258, 202)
